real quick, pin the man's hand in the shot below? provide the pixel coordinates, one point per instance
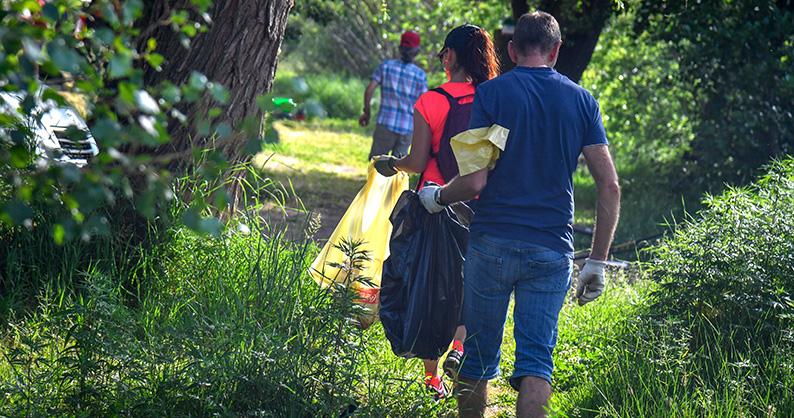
(591, 281)
(384, 164)
(363, 120)
(429, 196)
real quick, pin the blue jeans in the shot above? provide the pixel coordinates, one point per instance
(494, 269)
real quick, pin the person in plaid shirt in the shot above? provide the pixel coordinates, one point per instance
(401, 83)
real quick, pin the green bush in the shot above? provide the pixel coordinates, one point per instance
(48, 57)
(229, 326)
(734, 263)
(735, 59)
(341, 97)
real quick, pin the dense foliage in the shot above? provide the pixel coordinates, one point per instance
(735, 62)
(708, 333)
(734, 264)
(354, 37)
(89, 57)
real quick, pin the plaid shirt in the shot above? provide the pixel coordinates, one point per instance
(400, 86)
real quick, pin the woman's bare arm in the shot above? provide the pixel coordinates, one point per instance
(416, 160)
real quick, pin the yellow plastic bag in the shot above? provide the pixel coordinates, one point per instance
(365, 221)
(479, 148)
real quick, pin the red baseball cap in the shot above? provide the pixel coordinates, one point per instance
(410, 39)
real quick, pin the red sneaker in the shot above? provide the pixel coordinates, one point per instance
(436, 387)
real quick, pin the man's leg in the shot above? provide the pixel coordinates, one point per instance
(472, 398)
(401, 146)
(539, 295)
(383, 141)
(533, 397)
(487, 287)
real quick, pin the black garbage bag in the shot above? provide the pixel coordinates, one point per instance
(421, 292)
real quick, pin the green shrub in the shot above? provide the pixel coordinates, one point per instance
(339, 96)
(734, 263)
(189, 324)
(229, 326)
(98, 70)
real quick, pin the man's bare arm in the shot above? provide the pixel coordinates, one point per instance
(464, 188)
(599, 161)
(364, 119)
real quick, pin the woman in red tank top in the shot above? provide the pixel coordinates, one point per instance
(469, 59)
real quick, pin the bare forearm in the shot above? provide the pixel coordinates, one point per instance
(462, 189)
(607, 214)
(368, 92)
(411, 163)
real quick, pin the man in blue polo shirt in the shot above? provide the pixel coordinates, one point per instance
(527, 130)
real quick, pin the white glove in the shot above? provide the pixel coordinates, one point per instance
(429, 197)
(591, 281)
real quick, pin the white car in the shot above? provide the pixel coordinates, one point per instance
(50, 130)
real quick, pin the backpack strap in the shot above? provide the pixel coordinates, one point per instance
(450, 98)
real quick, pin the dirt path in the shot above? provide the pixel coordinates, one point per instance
(320, 172)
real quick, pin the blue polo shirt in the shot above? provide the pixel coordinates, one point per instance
(529, 195)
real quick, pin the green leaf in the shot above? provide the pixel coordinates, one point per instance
(155, 60)
(271, 136)
(127, 92)
(223, 130)
(120, 66)
(131, 10)
(191, 218)
(203, 128)
(50, 12)
(106, 132)
(219, 93)
(254, 146)
(17, 211)
(197, 80)
(265, 103)
(64, 57)
(20, 156)
(171, 93)
(202, 4)
(58, 234)
(211, 226)
(189, 30)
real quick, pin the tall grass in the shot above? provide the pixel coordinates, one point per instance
(193, 325)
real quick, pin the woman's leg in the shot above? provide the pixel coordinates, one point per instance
(431, 367)
(460, 334)
(433, 381)
(455, 356)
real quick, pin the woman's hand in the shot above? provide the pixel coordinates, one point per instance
(384, 164)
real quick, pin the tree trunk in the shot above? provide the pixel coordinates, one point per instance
(239, 51)
(581, 23)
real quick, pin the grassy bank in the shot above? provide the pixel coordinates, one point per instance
(190, 325)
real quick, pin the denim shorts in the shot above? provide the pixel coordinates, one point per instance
(494, 269)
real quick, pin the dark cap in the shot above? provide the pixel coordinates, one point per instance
(459, 37)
